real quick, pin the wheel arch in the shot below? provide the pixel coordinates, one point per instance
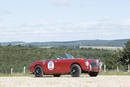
(35, 66)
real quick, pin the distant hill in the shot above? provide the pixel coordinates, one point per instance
(117, 43)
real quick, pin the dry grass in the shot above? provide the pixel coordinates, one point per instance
(121, 73)
(102, 47)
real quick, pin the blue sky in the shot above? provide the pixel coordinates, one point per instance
(64, 20)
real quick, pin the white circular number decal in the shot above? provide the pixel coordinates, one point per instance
(50, 65)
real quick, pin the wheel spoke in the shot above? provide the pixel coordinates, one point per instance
(38, 71)
(75, 70)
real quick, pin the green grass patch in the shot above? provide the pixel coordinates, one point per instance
(121, 73)
(114, 73)
(14, 74)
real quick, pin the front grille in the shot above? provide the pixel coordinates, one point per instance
(93, 64)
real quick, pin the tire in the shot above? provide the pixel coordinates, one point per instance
(75, 70)
(38, 72)
(93, 74)
(56, 75)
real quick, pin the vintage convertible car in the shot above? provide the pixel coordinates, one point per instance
(65, 64)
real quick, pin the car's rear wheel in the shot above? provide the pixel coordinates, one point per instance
(56, 75)
(38, 72)
(93, 74)
(75, 70)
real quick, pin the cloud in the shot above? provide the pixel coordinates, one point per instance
(61, 2)
(46, 31)
(126, 22)
(33, 24)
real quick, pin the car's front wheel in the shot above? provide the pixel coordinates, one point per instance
(75, 70)
(93, 74)
(38, 72)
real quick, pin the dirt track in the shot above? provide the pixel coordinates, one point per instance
(83, 81)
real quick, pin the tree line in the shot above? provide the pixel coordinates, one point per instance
(19, 56)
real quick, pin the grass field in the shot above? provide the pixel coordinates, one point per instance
(102, 47)
(101, 73)
(93, 47)
(14, 74)
(114, 73)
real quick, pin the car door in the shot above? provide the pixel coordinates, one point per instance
(63, 66)
(58, 66)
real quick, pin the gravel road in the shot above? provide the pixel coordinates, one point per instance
(65, 81)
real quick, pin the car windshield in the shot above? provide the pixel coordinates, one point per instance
(64, 56)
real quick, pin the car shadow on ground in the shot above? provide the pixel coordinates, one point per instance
(62, 76)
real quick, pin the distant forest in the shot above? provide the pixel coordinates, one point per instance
(117, 43)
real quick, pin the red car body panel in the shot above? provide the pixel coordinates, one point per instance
(62, 66)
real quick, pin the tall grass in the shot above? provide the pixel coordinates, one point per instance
(14, 74)
(114, 73)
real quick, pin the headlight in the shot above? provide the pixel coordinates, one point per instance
(87, 63)
(90, 67)
(97, 61)
(43, 62)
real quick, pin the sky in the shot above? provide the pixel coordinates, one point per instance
(64, 20)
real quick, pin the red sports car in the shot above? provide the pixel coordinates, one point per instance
(65, 64)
